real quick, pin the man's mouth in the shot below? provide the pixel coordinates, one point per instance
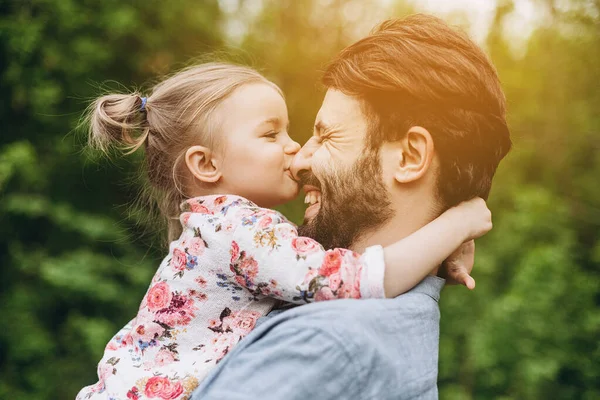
(313, 199)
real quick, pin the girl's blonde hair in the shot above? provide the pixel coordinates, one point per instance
(178, 113)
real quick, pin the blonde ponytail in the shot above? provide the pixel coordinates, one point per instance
(118, 121)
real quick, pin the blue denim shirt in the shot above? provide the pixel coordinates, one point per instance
(341, 349)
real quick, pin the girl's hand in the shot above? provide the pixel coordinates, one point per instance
(457, 268)
(474, 216)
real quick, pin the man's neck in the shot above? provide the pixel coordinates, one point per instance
(406, 220)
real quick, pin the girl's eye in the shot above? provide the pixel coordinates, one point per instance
(271, 135)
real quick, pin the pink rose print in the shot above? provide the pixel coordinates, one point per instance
(185, 217)
(164, 357)
(105, 371)
(356, 289)
(147, 332)
(200, 281)
(265, 291)
(220, 200)
(196, 246)
(265, 222)
(97, 387)
(133, 394)
(334, 281)
(331, 263)
(235, 251)
(240, 280)
(305, 246)
(356, 286)
(349, 291)
(159, 296)
(126, 340)
(111, 346)
(249, 267)
(241, 322)
(351, 275)
(159, 387)
(202, 296)
(180, 311)
(222, 343)
(324, 294)
(197, 207)
(196, 294)
(179, 260)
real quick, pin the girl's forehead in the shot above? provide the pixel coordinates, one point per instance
(255, 102)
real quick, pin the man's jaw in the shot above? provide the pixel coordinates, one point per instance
(313, 199)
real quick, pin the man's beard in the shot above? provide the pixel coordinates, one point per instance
(353, 202)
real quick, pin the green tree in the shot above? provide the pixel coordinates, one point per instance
(72, 274)
(530, 330)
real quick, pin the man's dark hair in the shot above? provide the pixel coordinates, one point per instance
(418, 71)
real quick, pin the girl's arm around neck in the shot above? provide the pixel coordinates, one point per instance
(409, 260)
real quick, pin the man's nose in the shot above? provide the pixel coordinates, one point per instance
(301, 161)
(292, 147)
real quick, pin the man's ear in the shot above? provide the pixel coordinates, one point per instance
(200, 162)
(416, 156)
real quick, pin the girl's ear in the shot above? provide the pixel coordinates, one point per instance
(200, 162)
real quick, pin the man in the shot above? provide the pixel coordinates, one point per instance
(413, 122)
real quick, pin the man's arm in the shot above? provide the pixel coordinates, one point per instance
(367, 349)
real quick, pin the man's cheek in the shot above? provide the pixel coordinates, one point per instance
(324, 164)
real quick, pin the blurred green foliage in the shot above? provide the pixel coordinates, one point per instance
(74, 267)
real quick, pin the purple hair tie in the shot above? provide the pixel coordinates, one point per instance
(143, 106)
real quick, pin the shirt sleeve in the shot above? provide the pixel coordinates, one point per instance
(270, 259)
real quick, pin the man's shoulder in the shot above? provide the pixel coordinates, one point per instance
(358, 320)
(390, 343)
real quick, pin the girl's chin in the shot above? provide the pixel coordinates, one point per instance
(290, 196)
(284, 197)
(293, 191)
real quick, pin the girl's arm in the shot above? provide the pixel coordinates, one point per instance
(269, 258)
(409, 260)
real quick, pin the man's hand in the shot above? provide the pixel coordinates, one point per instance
(456, 269)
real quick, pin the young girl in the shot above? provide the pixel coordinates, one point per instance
(217, 151)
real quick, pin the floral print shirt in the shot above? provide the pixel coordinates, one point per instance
(233, 261)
